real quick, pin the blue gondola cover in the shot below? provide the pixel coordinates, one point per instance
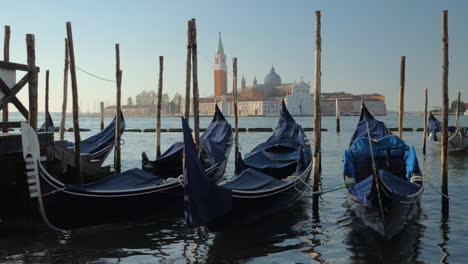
(378, 129)
(50, 123)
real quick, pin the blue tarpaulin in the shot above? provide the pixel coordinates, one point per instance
(377, 129)
(50, 125)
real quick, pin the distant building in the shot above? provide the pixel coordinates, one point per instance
(351, 104)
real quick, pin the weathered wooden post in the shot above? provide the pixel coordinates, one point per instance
(76, 125)
(188, 70)
(118, 77)
(425, 122)
(6, 57)
(31, 50)
(443, 156)
(402, 96)
(317, 110)
(102, 115)
(65, 92)
(457, 122)
(46, 128)
(337, 116)
(158, 113)
(234, 93)
(196, 109)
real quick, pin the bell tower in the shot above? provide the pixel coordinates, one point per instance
(220, 71)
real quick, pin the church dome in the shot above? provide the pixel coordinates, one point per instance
(272, 78)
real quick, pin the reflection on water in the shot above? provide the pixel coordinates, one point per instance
(367, 246)
(444, 238)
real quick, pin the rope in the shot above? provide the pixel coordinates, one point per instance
(425, 180)
(331, 189)
(95, 76)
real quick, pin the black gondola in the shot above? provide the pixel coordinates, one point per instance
(215, 142)
(457, 137)
(129, 195)
(99, 146)
(270, 178)
(388, 182)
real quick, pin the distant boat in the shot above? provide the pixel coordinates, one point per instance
(387, 197)
(466, 112)
(271, 178)
(457, 136)
(50, 125)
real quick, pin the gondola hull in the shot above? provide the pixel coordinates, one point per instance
(456, 143)
(249, 207)
(396, 218)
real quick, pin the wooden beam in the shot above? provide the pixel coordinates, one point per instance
(76, 126)
(6, 57)
(317, 111)
(11, 93)
(33, 76)
(102, 115)
(188, 70)
(337, 113)
(425, 122)
(158, 110)
(457, 119)
(6, 125)
(65, 92)
(402, 96)
(18, 67)
(196, 108)
(443, 149)
(46, 128)
(118, 76)
(234, 93)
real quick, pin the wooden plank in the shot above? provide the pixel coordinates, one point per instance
(10, 94)
(76, 126)
(33, 75)
(19, 67)
(12, 143)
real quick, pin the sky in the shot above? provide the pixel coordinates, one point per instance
(362, 42)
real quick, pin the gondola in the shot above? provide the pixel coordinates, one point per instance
(457, 137)
(132, 194)
(271, 177)
(388, 183)
(215, 146)
(50, 125)
(99, 146)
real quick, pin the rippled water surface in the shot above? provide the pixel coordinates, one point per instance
(292, 236)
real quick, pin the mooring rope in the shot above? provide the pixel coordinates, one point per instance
(425, 180)
(330, 189)
(95, 76)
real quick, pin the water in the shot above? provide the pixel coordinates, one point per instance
(292, 236)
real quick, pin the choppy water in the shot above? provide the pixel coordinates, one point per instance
(293, 236)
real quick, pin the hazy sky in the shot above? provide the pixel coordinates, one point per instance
(361, 48)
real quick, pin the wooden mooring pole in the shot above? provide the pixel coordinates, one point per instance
(65, 93)
(196, 108)
(102, 115)
(158, 109)
(317, 110)
(425, 122)
(6, 57)
(402, 96)
(118, 77)
(76, 125)
(337, 116)
(443, 156)
(31, 51)
(234, 93)
(457, 120)
(188, 70)
(46, 112)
